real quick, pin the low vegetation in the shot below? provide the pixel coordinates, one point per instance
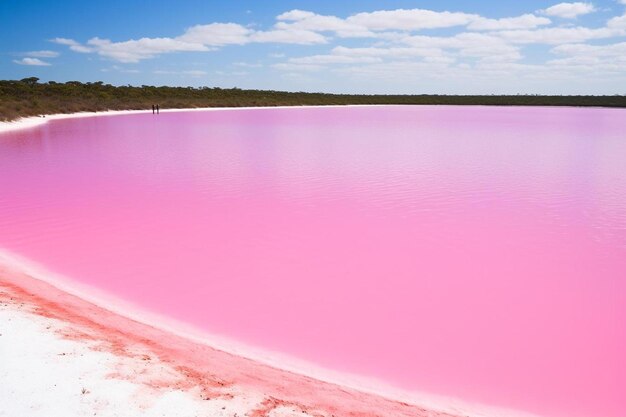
(29, 97)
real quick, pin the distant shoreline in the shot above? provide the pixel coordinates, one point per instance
(34, 121)
(28, 97)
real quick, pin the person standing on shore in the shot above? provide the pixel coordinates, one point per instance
(153, 109)
(157, 109)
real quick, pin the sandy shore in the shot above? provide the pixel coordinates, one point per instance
(64, 356)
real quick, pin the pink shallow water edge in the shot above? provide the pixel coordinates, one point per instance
(473, 252)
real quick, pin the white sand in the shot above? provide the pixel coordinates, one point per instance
(43, 374)
(34, 121)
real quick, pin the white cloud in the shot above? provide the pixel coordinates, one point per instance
(410, 19)
(615, 50)
(618, 22)
(42, 54)
(595, 59)
(379, 23)
(292, 36)
(199, 38)
(31, 61)
(297, 15)
(333, 59)
(395, 52)
(371, 55)
(74, 46)
(135, 50)
(570, 10)
(399, 72)
(304, 20)
(554, 36)
(216, 34)
(469, 44)
(526, 21)
(121, 69)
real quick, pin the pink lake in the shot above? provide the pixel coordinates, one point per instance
(472, 252)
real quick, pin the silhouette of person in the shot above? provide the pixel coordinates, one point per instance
(153, 109)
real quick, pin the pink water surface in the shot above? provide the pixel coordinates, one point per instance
(467, 251)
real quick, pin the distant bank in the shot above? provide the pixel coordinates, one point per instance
(29, 97)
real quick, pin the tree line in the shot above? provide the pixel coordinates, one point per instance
(29, 97)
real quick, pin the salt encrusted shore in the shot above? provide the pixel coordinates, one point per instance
(63, 356)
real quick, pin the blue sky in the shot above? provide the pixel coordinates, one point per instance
(447, 47)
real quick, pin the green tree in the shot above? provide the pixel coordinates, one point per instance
(30, 80)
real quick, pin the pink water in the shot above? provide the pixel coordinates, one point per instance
(472, 252)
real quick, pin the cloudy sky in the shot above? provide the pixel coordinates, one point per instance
(467, 47)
